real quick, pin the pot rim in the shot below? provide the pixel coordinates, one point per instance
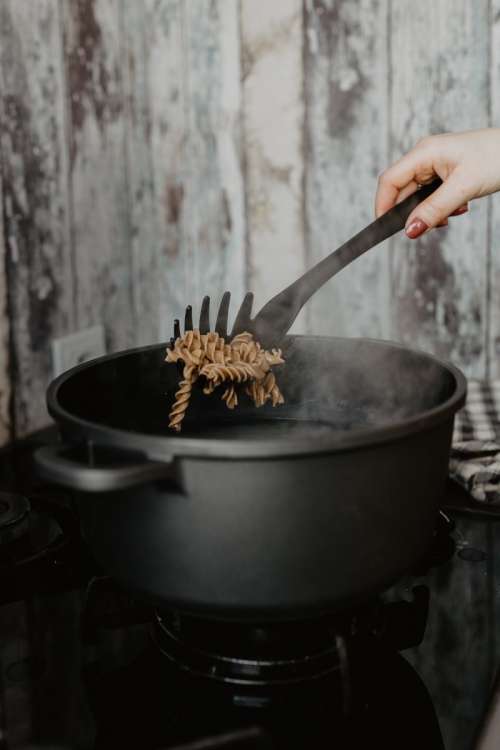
(168, 447)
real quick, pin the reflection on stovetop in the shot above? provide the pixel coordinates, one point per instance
(85, 665)
(303, 685)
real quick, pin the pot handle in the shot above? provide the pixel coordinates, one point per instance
(58, 464)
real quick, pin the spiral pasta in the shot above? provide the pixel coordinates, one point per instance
(208, 356)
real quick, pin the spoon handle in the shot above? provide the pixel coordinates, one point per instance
(381, 229)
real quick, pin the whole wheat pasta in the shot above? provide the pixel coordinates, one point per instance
(182, 396)
(209, 357)
(230, 397)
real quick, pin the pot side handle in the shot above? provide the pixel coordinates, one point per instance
(56, 464)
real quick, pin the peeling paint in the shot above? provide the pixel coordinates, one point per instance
(273, 100)
(26, 194)
(345, 145)
(267, 41)
(214, 219)
(226, 212)
(435, 296)
(99, 191)
(91, 82)
(334, 27)
(34, 170)
(174, 200)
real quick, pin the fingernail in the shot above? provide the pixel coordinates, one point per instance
(460, 211)
(415, 228)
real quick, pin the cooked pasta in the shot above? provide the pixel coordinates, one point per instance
(182, 396)
(209, 357)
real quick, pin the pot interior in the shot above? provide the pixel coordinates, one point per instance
(330, 386)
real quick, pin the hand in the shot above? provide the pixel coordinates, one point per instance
(468, 163)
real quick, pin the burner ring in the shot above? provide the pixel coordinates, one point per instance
(250, 671)
(14, 516)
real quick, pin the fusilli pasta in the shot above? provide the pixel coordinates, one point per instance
(208, 356)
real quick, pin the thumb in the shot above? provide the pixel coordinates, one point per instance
(437, 207)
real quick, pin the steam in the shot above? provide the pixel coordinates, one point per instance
(358, 384)
(331, 386)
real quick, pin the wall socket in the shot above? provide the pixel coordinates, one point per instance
(76, 348)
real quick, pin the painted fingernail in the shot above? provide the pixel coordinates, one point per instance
(460, 211)
(415, 228)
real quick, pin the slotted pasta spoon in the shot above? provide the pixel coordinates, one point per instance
(275, 319)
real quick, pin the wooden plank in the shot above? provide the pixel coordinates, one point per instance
(185, 172)
(346, 95)
(273, 107)
(98, 179)
(214, 208)
(5, 385)
(34, 166)
(440, 75)
(156, 159)
(494, 235)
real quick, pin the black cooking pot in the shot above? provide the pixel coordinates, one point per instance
(259, 513)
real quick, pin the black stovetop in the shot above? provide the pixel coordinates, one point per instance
(84, 665)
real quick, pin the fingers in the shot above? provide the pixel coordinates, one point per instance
(467, 163)
(448, 199)
(458, 212)
(408, 190)
(414, 168)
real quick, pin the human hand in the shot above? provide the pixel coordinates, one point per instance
(468, 163)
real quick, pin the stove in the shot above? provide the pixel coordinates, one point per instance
(83, 664)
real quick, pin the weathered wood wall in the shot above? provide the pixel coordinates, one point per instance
(441, 284)
(36, 209)
(273, 118)
(346, 147)
(494, 218)
(4, 342)
(153, 152)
